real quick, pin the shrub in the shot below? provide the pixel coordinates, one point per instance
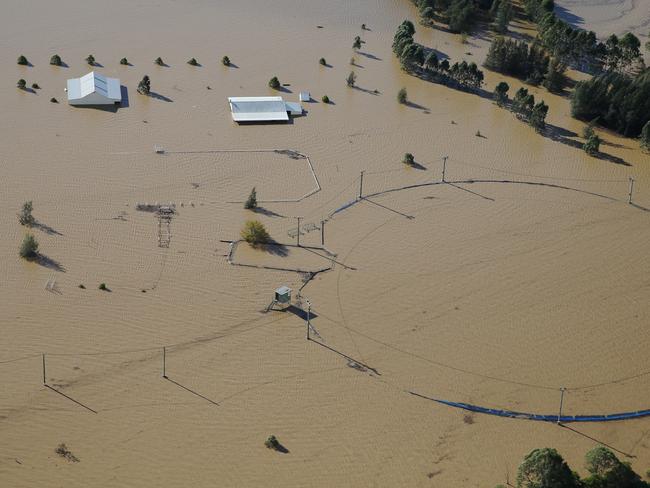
(402, 96)
(54, 100)
(65, 453)
(22, 60)
(159, 61)
(21, 84)
(357, 43)
(274, 83)
(351, 79)
(592, 145)
(251, 202)
(90, 60)
(272, 443)
(29, 247)
(225, 61)
(103, 287)
(325, 99)
(56, 60)
(408, 159)
(193, 62)
(25, 216)
(255, 233)
(322, 62)
(124, 62)
(35, 86)
(144, 87)
(363, 26)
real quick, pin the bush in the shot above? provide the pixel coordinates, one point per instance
(144, 87)
(351, 79)
(272, 443)
(274, 83)
(21, 84)
(56, 60)
(592, 145)
(22, 60)
(35, 86)
(408, 159)
(225, 61)
(159, 62)
(402, 96)
(82, 286)
(255, 233)
(54, 100)
(90, 60)
(29, 247)
(103, 287)
(322, 62)
(357, 43)
(25, 216)
(325, 99)
(193, 62)
(251, 202)
(124, 62)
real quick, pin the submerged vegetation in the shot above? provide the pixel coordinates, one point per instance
(56, 60)
(251, 201)
(124, 62)
(225, 61)
(29, 247)
(22, 60)
(144, 87)
(25, 216)
(255, 233)
(274, 83)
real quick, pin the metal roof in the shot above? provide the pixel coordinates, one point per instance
(94, 83)
(254, 109)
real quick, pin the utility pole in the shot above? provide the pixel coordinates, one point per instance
(629, 200)
(322, 233)
(164, 362)
(308, 317)
(298, 236)
(361, 187)
(44, 380)
(444, 167)
(559, 415)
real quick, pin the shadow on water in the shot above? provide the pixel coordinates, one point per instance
(158, 96)
(46, 228)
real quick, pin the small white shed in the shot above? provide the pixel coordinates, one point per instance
(94, 89)
(304, 96)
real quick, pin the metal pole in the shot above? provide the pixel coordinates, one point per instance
(298, 230)
(308, 316)
(629, 200)
(559, 415)
(322, 232)
(164, 362)
(361, 187)
(444, 167)
(44, 380)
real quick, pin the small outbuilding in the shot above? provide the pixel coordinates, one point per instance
(94, 89)
(262, 109)
(304, 96)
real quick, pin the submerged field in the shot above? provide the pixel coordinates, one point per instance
(525, 273)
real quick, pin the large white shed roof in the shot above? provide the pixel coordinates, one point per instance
(255, 109)
(94, 87)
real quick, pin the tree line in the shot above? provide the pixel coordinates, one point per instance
(419, 60)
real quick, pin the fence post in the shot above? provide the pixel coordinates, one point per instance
(44, 380)
(629, 199)
(559, 415)
(164, 362)
(361, 187)
(322, 232)
(444, 167)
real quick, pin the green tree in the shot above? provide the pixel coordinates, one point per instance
(124, 62)
(537, 117)
(56, 60)
(90, 60)
(274, 83)
(193, 62)
(607, 471)
(357, 43)
(29, 247)
(408, 159)
(21, 84)
(645, 137)
(255, 233)
(431, 61)
(545, 468)
(251, 202)
(25, 216)
(402, 96)
(351, 79)
(461, 15)
(225, 61)
(322, 62)
(555, 78)
(325, 99)
(159, 61)
(500, 95)
(144, 87)
(503, 16)
(592, 144)
(22, 60)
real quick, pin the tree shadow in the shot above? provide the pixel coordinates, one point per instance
(162, 65)
(232, 65)
(568, 16)
(48, 262)
(374, 92)
(197, 65)
(283, 89)
(276, 249)
(411, 104)
(369, 55)
(62, 65)
(356, 65)
(96, 65)
(29, 90)
(562, 135)
(46, 228)
(158, 96)
(266, 212)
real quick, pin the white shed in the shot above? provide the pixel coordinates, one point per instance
(94, 89)
(304, 96)
(262, 109)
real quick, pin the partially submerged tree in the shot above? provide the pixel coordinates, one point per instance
(90, 60)
(124, 62)
(592, 144)
(408, 159)
(29, 247)
(500, 95)
(251, 202)
(272, 443)
(255, 233)
(402, 96)
(144, 87)
(159, 61)
(36, 86)
(25, 216)
(322, 62)
(351, 79)
(193, 62)
(357, 43)
(325, 99)
(545, 468)
(274, 83)
(21, 84)
(537, 117)
(22, 60)
(225, 61)
(645, 137)
(56, 60)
